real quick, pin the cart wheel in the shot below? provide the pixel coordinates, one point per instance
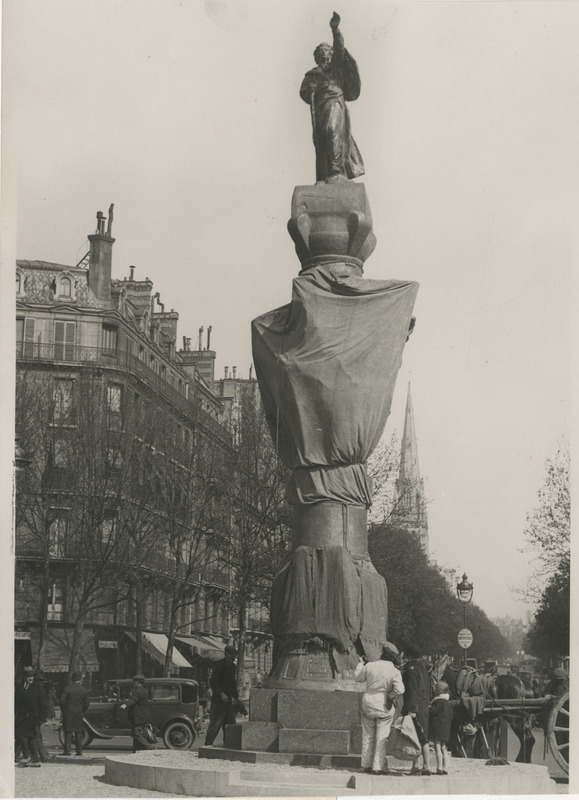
(558, 731)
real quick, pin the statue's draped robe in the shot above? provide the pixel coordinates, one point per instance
(327, 365)
(326, 92)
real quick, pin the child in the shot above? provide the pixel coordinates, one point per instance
(439, 721)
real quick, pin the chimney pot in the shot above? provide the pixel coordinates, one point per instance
(233, 371)
(226, 372)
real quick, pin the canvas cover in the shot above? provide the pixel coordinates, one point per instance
(327, 364)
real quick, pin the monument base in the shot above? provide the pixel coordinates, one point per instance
(299, 721)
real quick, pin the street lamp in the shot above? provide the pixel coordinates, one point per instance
(464, 591)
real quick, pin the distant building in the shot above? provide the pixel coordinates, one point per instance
(79, 330)
(409, 512)
(514, 630)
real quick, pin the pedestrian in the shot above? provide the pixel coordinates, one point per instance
(439, 721)
(52, 700)
(138, 705)
(73, 703)
(558, 684)
(30, 712)
(416, 701)
(384, 686)
(42, 751)
(223, 686)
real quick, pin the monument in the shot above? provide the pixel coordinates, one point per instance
(326, 364)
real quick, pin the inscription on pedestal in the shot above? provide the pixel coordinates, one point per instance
(317, 666)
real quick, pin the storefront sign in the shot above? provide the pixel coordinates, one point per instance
(109, 645)
(22, 635)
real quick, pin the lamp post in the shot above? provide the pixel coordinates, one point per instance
(464, 591)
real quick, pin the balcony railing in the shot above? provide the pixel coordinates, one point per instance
(63, 353)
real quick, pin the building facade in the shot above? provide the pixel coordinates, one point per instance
(120, 550)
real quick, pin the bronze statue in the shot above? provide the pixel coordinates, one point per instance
(326, 88)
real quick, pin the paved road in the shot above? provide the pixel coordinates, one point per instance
(69, 776)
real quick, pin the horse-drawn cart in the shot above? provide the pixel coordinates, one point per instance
(485, 706)
(549, 713)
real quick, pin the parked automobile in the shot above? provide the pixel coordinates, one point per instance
(173, 711)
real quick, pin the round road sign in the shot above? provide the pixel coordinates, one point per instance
(465, 638)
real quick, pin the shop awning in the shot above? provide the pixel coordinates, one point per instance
(58, 649)
(192, 641)
(213, 642)
(206, 646)
(155, 644)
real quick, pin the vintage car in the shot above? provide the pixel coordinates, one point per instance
(173, 711)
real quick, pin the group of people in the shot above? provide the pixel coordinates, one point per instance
(391, 692)
(34, 703)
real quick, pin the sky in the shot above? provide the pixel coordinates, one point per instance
(187, 116)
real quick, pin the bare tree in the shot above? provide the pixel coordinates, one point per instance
(69, 507)
(258, 530)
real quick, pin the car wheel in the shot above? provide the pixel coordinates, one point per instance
(87, 736)
(178, 736)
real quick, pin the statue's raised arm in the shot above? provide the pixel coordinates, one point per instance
(326, 88)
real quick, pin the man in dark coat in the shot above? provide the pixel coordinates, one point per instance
(138, 706)
(73, 704)
(224, 691)
(416, 701)
(30, 711)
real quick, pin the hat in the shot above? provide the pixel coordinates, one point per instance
(138, 677)
(230, 650)
(559, 673)
(28, 671)
(390, 648)
(413, 651)
(76, 676)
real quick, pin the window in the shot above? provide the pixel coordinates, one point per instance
(57, 537)
(114, 397)
(188, 693)
(108, 531)
(56, 600)
(114, 457)
(64, 339)
(62, 396)
(109, 337)
(25, 334)
(161, 693)
(65, 287)
(59, 452)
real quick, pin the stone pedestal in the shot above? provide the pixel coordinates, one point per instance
(299, 721)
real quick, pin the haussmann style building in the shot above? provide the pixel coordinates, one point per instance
(123, 445)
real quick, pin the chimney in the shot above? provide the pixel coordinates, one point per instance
(132, 273)
(184, 343)
(233, 371)
(250, 371)
(100, 260)
(226, 373)
(200, 338)
(209, 329)
(188, 343)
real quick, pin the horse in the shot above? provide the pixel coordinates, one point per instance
(498, 687)
(511, 687)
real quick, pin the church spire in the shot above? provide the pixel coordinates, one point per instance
(410, 511)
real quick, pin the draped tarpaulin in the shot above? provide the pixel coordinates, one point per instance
(327, 365)
(322, 591)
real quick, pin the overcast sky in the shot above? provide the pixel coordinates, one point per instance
(187, 116)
